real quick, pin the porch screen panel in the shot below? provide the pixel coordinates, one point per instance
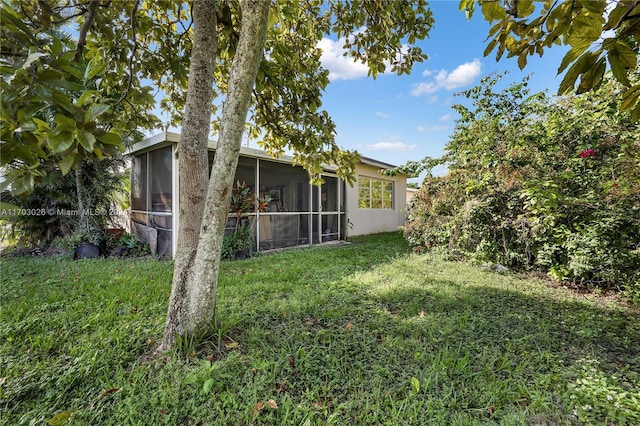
(246, 172)
(330, 208)
(139, 182)
(285, 186)
(285, 230)
(160, 177)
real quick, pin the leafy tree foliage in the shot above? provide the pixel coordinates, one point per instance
(50, 209)
(538, 183)
(597, 31)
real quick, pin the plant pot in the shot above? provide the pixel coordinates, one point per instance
(240, 254)
(86, 251)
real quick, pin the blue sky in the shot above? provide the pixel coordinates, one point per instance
(400, 118)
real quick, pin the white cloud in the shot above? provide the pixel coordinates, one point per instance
(382, 114)
(445, 117)
(343, 67)
(439, 128)
(463, 75)
(340, 67)
(391, 146)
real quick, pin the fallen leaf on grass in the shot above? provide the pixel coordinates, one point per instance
(60, 418)
(3, 380)
(258, 407)
(349, 326)
(272, 404)
(421, 314)
(231, 345)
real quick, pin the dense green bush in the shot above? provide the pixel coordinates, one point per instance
(538, 183)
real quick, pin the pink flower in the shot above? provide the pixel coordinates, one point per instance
(587, 153)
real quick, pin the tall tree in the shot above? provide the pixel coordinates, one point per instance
(281, 100)
(256, 56)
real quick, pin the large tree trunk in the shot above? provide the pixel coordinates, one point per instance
(197, 264)
(193, 164)
(204, 279)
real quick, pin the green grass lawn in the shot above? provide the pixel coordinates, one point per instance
(362, 334)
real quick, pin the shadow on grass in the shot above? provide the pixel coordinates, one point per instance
(364, 334)
(476, 352)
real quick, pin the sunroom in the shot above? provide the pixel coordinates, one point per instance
(296, 214)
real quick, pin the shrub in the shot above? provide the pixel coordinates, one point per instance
(538, 182)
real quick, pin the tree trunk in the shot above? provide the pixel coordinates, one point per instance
(203, 281)
(83, 221)
(193, 163)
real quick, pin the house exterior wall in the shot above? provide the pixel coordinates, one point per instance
(364, 221)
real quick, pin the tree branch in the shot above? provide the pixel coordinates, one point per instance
(82, 35)
(132, 23)
(626, 14)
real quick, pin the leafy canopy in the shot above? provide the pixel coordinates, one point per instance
(78, 98)
(597, 31)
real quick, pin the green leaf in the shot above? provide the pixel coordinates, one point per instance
(621, 58)
(73, 71)
(7, 208)
(65, 84)
(60, 419)
(67, 163)
(94, 111)
(94, 68)
(56, 46)
(522, 60)
(415, 385)
(87, 140)
(27, 126)
(492, 11)
(109, 138)
(22, 184)
(190, 379)
(571, 56)
(525, 8)
(635, 113)
(593, 77)
(208, 384)
(490, 46)
(64, 123)
(60, 142)
(584, 63)
(630, 97)
(8, 16)
(42, 126)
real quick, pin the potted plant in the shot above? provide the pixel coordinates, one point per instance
(89, 245)
(83, 244)
(239, 243)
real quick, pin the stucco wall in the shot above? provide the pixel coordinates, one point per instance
(374, 221)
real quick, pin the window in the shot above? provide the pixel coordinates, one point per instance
(375, 193)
